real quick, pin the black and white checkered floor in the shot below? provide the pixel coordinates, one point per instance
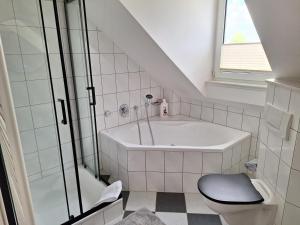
(172, 208)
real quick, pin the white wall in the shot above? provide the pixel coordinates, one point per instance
(277, 23)
(171, 69)
(185, 31)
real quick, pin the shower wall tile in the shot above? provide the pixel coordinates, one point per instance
(28, 141)
(7, 16)
(46, 137)
(20, 94)
(22, 37)
(15, 67)
(28, 17)
(24, 118)
(9, 37)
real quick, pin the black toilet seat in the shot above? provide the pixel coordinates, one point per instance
(231, 189)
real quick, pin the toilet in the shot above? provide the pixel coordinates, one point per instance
(239, 199)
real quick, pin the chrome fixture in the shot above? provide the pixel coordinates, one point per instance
(124, 110)
(136, 108)
(157, 102)
(147, 103)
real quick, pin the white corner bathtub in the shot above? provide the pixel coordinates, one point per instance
(183, 151)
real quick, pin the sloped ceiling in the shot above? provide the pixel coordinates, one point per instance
(172, 40)
(278, 25)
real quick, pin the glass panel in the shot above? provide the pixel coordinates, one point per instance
(239, 27)
(85, 96)
(22, 34)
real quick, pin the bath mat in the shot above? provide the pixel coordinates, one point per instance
(141, 217)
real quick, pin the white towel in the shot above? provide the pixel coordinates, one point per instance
(110, 193)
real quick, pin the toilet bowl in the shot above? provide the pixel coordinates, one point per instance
(260, 212)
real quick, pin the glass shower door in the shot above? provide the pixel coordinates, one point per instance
(85, 97)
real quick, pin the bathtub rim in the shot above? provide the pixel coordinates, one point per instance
(212, 148)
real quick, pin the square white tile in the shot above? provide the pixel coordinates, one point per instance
(155, 181)
(234, 120)
(250, 124)
(137, 181)
(122, 82)
(173, 182)
(155, 161)
(212, 162)
(20, 94)
(283, 179)
(106, 45)
(138, 200)
(190, 182)
(220, 117)
(46, 137)
(121, 63)
(39, 92)
(271, 167)
(109, 84)
(24, 118)
(173, 161)
(282, 97)
(132, 66)
(28, 141)
(136, 161)
(192, 162)
(293, 188)
(173, 218)
(195, 111)
(110, 102)
(207, 114)
(107, 63)
(195, 204)
(134, 81)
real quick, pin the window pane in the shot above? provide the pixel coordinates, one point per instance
(239, 27)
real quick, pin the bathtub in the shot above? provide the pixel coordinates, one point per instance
(183, 151)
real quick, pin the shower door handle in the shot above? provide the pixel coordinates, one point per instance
(93, 95)
(63, 109)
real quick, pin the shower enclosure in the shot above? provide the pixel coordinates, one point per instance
(46, 45)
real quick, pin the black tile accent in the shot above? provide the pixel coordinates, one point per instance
(170, 202)
(127, 213)
(125, 195)
(203, 219)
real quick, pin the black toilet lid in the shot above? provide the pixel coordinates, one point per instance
(229, 189)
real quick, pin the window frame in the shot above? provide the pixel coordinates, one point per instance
(237, 75)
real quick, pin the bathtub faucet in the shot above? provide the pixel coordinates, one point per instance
(148, 99)
(147, 103)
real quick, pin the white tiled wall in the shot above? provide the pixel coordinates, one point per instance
(239, 116)
(169, 171)
(118, 81)
(279, 162)
(21, 33)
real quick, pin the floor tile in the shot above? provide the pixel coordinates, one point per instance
(138, 200)
(127, 213)
(170, 202)
(173, 218)
(195, 204)
(197, 219)
(125, 195)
